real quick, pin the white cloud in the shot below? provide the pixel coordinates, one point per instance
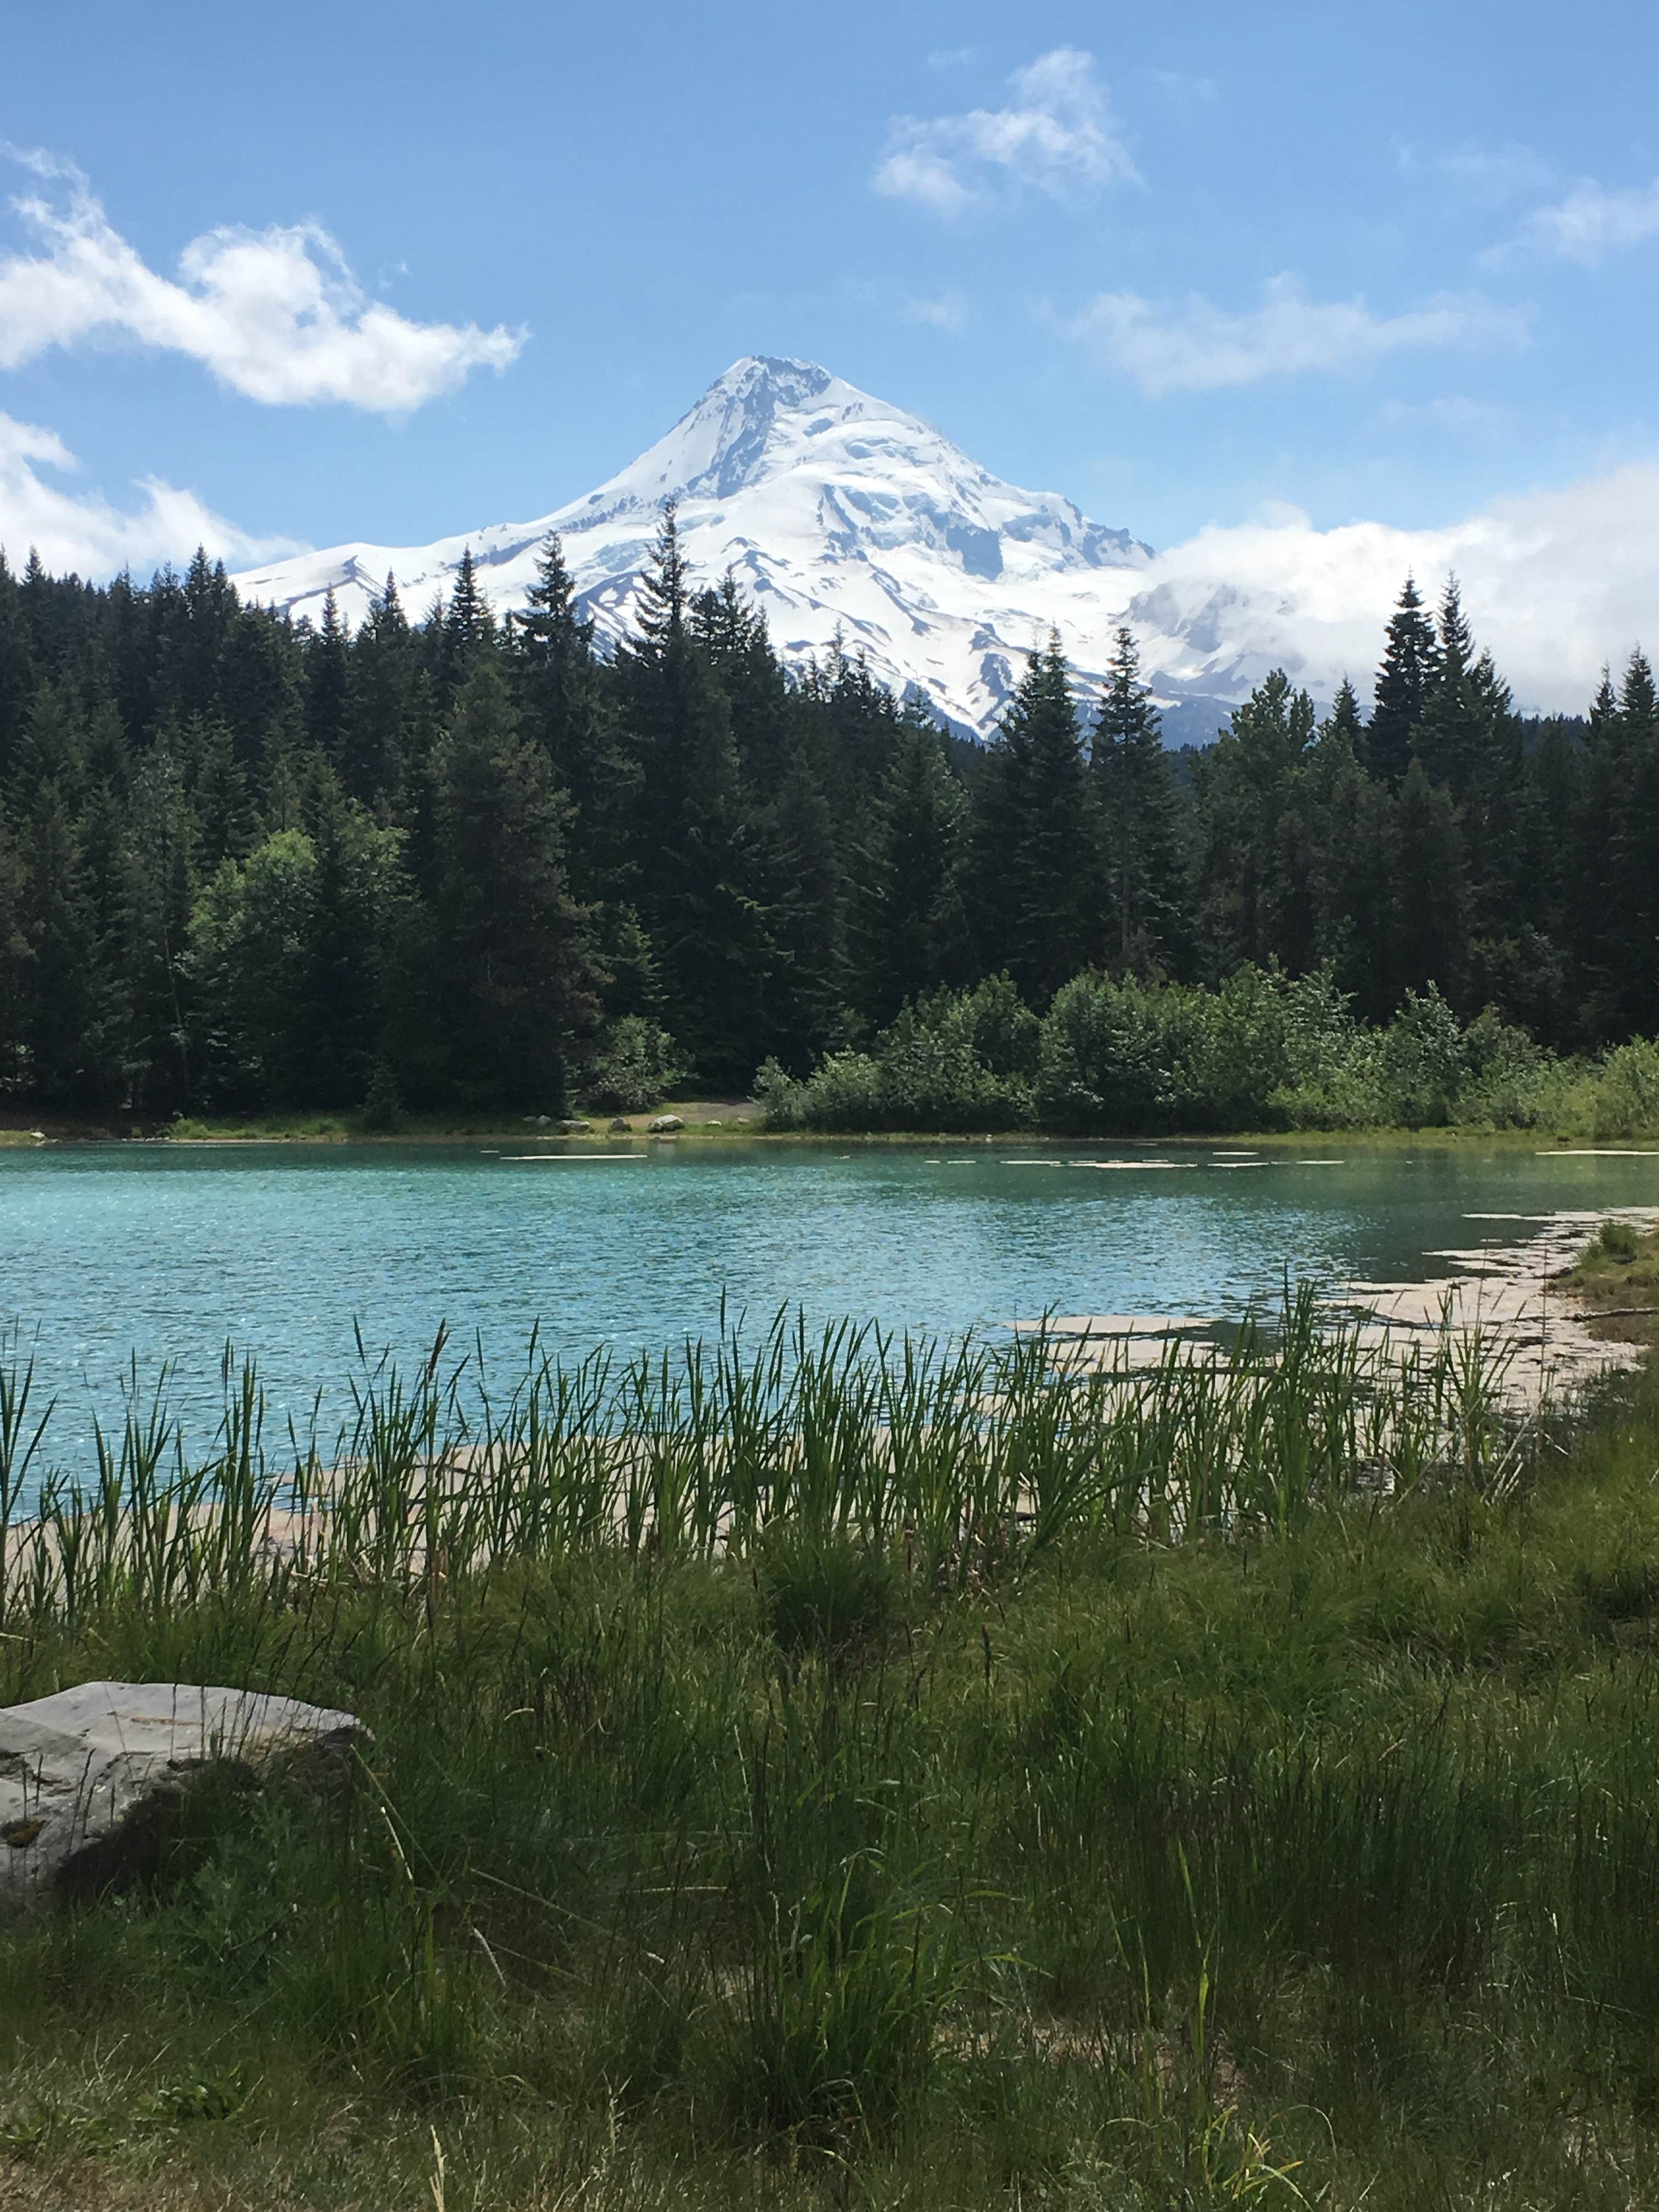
(1587, 225)
(947, 311)
(1198, 347)
(1555, 583)
(1059, 138)
(1490, 176)
(87, 534)
(277, 314)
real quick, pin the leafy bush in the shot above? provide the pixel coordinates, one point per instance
(952, 1061)
(1116, 1056)
(1626, 1100)
(637, 1065)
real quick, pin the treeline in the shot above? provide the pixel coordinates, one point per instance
(464, 864)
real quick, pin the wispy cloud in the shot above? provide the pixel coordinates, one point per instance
(946, 311)
(276, 314)
(84, 532)
(1490, 176)
(1587, 226)
(950, 57)
(1186, 92)
(1059, 136)
(1195, 346)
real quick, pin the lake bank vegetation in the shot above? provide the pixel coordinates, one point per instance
(453, 866)
(839, 1771)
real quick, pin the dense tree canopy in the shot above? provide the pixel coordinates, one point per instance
(247, 862)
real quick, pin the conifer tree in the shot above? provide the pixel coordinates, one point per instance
(1144, 869)
(15, 963)
(461, 635)
(157, 890)
(560, 690)
(325, 684)
(1430, 890)
(513, 965)
(1037, 842)
(1254, 858)
(357, 897)
(914, 931)
(1634, 851)
(1447, 737)
(701, 894)
(69, 1044)
(1402, 688)
(381, 676)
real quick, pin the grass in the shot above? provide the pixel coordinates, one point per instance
(1616, 1280)
(836, 1771)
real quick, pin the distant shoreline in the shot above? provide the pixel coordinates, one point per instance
(704, 1122)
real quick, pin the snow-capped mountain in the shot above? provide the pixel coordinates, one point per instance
(839, 516)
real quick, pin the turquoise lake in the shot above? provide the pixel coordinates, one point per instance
(166, 1251)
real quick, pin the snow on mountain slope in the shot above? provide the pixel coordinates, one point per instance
(838, 514)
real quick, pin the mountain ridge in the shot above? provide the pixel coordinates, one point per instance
(849, 522)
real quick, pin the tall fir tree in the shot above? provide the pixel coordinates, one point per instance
(514, 964)
(913, 928)
(562, 696)
(1409, 662)
(1144, 865)
(701, 890)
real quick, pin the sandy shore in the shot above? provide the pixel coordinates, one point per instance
(1508, 1293)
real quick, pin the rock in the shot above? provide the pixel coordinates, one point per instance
(574, 1128)
(665, 1125)
(622, 1127)
(91, 1779)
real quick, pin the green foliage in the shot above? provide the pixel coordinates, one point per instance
(383, 1108)
(243, 860)
(1116, 1056)
(636, 1065)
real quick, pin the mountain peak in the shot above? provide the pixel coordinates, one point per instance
(840, 515)
(751, 421)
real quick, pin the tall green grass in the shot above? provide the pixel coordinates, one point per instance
(955, 1455)
(826, 1768)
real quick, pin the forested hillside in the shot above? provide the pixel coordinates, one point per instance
(248, 864)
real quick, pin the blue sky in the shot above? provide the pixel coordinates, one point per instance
(1186, 265)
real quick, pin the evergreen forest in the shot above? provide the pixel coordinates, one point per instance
(454, 864)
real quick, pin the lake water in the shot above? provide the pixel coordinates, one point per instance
(165, 1251)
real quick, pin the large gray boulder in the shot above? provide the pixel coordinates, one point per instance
(92, 1778)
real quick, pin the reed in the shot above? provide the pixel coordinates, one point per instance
(956, 1454)
(816, 1764)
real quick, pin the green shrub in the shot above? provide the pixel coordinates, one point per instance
(637, 1065)
(1627, 1096)
(383, 1108)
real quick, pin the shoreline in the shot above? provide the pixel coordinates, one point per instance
(1541, 1337)
(714, 1128)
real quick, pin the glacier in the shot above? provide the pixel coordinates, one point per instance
(847, 522)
